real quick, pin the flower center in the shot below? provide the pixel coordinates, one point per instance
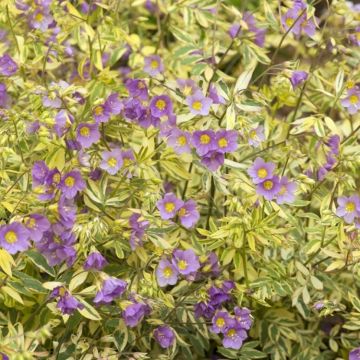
(182, 264)
(353, 99)
(168, 272)
(85, 131)
(10, 237)
(112, 162)
(31, 223)
(181, 140)
(262, 173)
(182, 212)
(69, 181)
(282, 190)
(62, 291)
(204, 139)
(253, 134)
(127, 162)
(350, 207)
(160, 104)
(141, 85)
(187, 90)
(289, 21)
(154, 64)
(39, 16)
(56, 178)
(99, 110)
(223, 142)
(169, 207)
(197, 105)
(220, 322)
(268, 184)
(231, 333)
(52, 95)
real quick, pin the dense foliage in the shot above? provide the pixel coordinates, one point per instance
(179, 179)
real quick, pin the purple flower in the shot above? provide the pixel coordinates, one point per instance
(32, 127)
(260, 170)
(72, 183)
(355, 37)
(137, 88)
(256, 136)
(211, 265)
(234, 335)
(349, 208)
(179, 141)
(37, 224)
(214, 96)
(14, 237)
(111, 161)
(56, 248)
(259, 34)
(51, 100)
(3, 356)
(153, 65)
(134, 313)
(161, 105)
(226, 141)
(169, 206)
(133, 109)
(166, 273)
(354, 354)
(204, 141)
(68, 304)
(319, 305)
(243, 317)
(113, 104)
(352, 100)
(63, 121)
(137, 230)
(41, 19)
(95, 261)
(185, 261)
(219, 322)
(234, 30)
(87, 134)
(213, 160)
(39, 172)
(72, 144)
(298, 77)
(292, 19)
(269, 188)
(334, 143)
(199, 104)
(4, 98)
(101, 113)
(8, 66)
(164, 335)
(187, 86)
(188, 214)
(112, 288)
(286, 192)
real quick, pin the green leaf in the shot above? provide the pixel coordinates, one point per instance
(12, 293)
(6, 261)
(40, 262)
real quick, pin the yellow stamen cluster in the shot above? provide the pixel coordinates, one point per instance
(69, 181)
(11, 237)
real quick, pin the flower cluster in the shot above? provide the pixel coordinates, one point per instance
(135, 168)
(182, 262)
(232, 327)
(269, 185)
(170, 206)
